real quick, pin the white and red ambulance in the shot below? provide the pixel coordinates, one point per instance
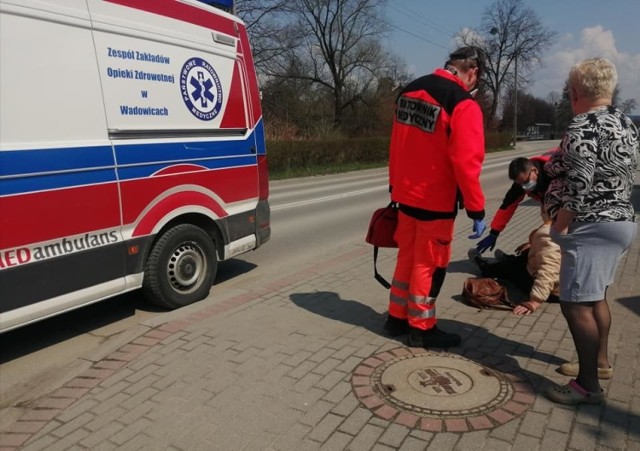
(132, 152)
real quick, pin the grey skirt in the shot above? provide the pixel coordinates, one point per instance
(591, 252)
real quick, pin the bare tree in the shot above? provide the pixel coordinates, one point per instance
(338, 48)
(554, 97)
(269, 32)
(510, 33)
(627, 106)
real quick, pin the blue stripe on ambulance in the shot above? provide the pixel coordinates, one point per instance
(79, 166)
(259, 138)
(180, 151)
(135, 172)
(37, 161)
(56, 181)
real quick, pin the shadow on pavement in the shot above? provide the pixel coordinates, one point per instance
(462, 266)
(42, 334)
(234, 267)
(330, 305)
(478, 344)
(632, 303)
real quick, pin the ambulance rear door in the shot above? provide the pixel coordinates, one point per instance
(60, 223)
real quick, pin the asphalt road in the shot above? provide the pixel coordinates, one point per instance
(311, 217)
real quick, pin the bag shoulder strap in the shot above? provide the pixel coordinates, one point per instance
(376, 274)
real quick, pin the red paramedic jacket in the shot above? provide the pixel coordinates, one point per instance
(437, 148)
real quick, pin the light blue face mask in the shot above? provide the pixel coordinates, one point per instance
(529, 186)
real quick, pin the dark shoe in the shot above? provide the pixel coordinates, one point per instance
(474, 256)
(432, 338)
(476, 259)
(414, 339)
(396, 326)
(499, 254)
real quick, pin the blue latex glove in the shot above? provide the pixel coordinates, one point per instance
(488, 242)
(479, 226)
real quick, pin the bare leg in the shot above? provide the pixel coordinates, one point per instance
(584, 329)
(602, 315)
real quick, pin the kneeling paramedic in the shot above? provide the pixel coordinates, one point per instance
(435, 156)
(530, 180)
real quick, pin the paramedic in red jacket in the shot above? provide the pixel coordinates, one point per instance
(435, 159)
(530, 180)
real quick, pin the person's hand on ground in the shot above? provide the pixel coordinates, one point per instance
(526, 307)
(523, 247)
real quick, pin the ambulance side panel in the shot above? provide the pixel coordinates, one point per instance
(120, 120)
(59, 195)
(177, 115)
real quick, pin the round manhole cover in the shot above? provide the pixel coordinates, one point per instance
(441, 391)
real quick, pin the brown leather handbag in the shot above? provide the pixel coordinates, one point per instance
(485, 293)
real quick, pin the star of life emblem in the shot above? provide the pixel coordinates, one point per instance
(201, 89)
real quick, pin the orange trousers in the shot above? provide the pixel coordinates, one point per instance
(424, 251)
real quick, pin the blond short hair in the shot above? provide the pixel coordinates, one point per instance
(594, 78)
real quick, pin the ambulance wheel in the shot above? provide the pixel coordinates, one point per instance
(181, 267)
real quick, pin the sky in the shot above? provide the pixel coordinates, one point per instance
(423, 34)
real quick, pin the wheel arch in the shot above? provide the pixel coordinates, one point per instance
(206, 223)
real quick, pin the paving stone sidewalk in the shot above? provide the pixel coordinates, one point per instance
(272, 369)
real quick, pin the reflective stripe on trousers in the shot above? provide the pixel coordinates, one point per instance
(424, 251)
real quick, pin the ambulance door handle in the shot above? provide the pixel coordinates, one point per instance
(253, 149)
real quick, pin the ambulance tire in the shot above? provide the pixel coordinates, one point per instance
(181, 267)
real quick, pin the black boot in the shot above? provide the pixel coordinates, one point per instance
(432, 338)
(396, 326)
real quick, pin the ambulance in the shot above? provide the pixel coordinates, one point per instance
(132, 152)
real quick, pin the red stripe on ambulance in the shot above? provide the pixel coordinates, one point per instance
(235, 114)
(50, 212)
(183, 12)
(229, 184)
(174, 202)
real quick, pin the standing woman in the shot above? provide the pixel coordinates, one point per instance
(589, 201)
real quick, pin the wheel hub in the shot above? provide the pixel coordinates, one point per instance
(186, 267)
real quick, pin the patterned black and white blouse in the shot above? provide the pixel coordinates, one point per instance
(594, 168)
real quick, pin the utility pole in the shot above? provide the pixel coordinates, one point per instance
(515, 94)
(496, 31)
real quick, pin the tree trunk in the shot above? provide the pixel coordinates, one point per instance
(337, 107)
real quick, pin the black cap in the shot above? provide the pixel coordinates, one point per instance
(469, 53)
